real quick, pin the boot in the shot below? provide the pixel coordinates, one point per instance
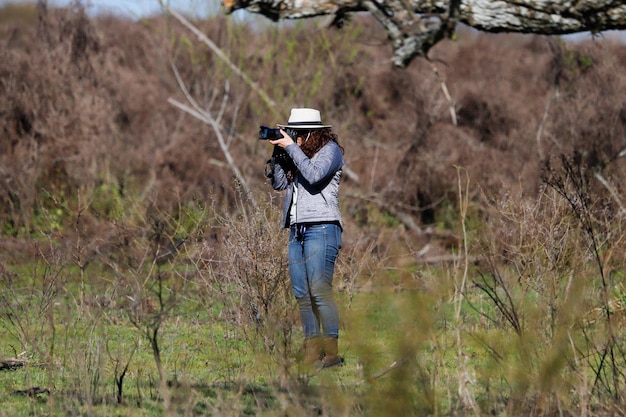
(331, 351)
(312, 352)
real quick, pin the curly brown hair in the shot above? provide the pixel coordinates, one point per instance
(316, 140)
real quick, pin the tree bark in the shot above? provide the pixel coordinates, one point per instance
(414, 26)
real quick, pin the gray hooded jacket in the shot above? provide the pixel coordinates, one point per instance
(318, 184)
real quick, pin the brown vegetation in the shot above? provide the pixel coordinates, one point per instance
(84, 111)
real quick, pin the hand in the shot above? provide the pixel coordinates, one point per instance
(284, 142)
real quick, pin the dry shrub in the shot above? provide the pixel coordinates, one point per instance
(550, 277)
(588, 117)
(247, 275)
(84, 105)
(518, 99)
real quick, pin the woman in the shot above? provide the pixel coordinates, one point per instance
(311, 175)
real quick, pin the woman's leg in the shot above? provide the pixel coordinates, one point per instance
(300, 287)
(321, 247)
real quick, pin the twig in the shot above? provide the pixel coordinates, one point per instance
(442, 259)
(403, 217)
(207, 118)
(388, 369)
(385, 371)
(31, 392)
(202, 37)
(543, 121)
(613, 192)
(446, 93)
(465, 377)
(12, 363)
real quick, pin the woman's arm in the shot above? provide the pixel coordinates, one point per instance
(323, 165)
(279, 177)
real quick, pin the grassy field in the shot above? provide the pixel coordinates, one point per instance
(524, 317)
(80, 357)
(513, 324)
(412, 350)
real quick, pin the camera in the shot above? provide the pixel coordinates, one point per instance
(268, 133)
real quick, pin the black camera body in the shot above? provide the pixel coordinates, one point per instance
(268, 133)
(279, 155)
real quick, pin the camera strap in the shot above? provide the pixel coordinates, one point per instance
(300, 231)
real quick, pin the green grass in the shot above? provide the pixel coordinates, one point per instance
(207, 360)
(217, 362)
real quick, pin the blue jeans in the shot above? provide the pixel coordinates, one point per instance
(311, 266)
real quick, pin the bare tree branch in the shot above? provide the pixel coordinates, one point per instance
(217, 51)
(206, 117)
(446, 93)
(613, 191)
(409, 23)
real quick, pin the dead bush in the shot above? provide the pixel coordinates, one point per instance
(84, 106)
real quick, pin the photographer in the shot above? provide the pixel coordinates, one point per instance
(309, 169)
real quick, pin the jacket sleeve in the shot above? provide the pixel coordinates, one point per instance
(279, 178)
(322, 166)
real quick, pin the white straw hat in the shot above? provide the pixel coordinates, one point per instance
(303, 118)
